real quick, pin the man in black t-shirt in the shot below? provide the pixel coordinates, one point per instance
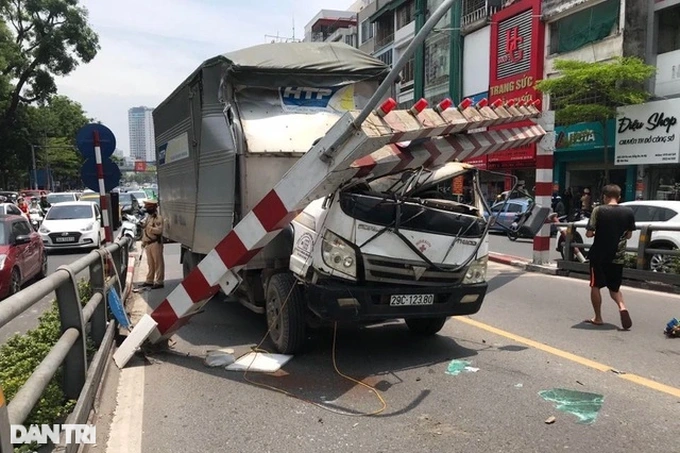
(611, 225)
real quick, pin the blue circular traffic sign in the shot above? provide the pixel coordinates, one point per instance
(85, 140)
(88, 173)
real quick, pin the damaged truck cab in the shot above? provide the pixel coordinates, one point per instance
(400, 246)
(395, 246)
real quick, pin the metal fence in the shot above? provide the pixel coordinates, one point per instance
(644, 252)
(107, 268)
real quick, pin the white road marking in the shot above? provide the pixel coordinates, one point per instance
(126, 428)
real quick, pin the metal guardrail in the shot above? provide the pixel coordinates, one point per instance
(643, 252)
(80, 381)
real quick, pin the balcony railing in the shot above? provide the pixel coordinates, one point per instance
(477, 13)
(382, 41)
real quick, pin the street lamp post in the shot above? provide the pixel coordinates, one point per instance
(35, 170)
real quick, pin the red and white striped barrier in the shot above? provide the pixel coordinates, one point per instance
(313, 176)
(544, 185)
(103, 202)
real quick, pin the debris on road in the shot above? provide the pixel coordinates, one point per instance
(583, 405)
(260, 362)
(579, 383)
(550, 420)
(458, 366)
(672, 328)
(220, 357)
(519, 386)
(615, 371)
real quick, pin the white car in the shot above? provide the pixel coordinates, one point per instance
(11, 209)
(654, 213)
(140, 195)
(72, 225)
(61, 197)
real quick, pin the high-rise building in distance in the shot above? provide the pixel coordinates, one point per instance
(140, 123)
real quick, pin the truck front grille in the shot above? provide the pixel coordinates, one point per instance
(386, 270)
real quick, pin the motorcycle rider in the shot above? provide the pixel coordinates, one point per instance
(35, 204)
(44, 204)
(22, 205)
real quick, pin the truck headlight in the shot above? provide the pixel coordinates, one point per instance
(476, 273)
(338, 254)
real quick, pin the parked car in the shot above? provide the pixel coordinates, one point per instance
(22, 254)
(69, 225)
(505, 213)
(651, 212)
(140, 195)
(61, 197)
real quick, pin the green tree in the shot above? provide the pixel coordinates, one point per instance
(53, 127)
(591, 92)
(40, 39)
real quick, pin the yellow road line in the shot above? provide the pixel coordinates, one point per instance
(674, 391)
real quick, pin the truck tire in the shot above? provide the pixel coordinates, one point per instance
(425, 326)
(285, 309)
(189, 261)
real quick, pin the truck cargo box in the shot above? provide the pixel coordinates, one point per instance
(233, 128)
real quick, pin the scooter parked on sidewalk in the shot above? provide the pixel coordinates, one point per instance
(130, 226)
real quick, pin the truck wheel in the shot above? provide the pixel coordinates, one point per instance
(425, 326)
(285, 308)
(189, 262)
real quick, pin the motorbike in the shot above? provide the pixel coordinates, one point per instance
(576, 238)
(130, 226)
(35, 215)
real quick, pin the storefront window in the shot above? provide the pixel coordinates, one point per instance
(665, 183)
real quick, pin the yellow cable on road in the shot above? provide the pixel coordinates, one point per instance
(639, 380)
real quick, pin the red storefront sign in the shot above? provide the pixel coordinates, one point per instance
(479, 162)
(140, 165)
(517, 53)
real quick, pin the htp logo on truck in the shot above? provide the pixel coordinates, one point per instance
(306, 97)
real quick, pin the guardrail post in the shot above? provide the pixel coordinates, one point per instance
(71, 314)
(568, 250)
(119, 257)
(97, 283)
(5, 428)
(643, 244)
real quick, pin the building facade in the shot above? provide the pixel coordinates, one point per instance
(333, 26)
(142, 139)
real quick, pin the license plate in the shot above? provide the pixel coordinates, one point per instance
(66, 239)
(411, 299)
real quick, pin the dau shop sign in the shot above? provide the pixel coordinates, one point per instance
(583, 136)
(648, 133)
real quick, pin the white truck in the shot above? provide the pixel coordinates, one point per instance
(400, 245)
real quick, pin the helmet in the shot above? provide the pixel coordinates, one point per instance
(586, 190)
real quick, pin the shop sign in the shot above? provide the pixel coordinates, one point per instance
(479, 162)
(517, 54)
(584, 136)
(648, 133)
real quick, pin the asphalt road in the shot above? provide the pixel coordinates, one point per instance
(29, 319)
(529, 337)
(522, 248)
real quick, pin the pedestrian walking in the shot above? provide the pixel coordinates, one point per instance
(611, 225)
(152, 241)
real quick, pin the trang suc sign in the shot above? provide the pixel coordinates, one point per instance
(648, 133)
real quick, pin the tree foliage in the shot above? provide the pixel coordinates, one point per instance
(39, 39)
(592, 91)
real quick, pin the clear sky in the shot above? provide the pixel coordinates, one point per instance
(148, 47)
